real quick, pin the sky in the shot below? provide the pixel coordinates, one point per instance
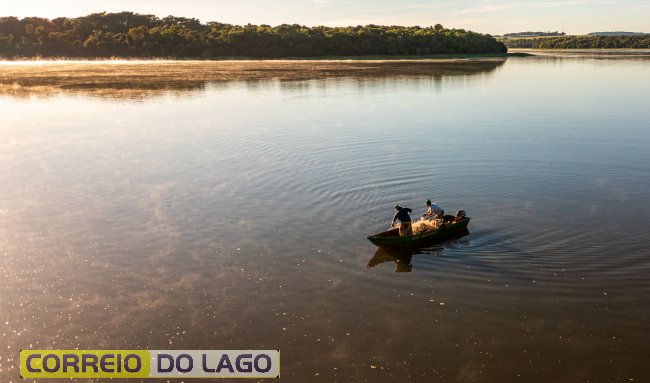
(489, 16)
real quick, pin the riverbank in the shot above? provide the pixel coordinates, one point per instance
(290, 58)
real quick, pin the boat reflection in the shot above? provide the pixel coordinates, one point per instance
(402, 256)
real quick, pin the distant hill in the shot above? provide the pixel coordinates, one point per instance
(533, 34)
(618, 34)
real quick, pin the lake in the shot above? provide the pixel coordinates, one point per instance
(226, 205)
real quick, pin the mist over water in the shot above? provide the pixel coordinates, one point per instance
(216, 214)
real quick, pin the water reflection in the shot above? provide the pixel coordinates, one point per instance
(402, 256)
(586, 54)
(138, 80)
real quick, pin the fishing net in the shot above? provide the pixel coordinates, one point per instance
(423, 226)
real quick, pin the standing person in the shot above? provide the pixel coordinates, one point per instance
(433, 211)
(403, 215)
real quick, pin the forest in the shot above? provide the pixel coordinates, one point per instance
(580, 42)
(135, 35)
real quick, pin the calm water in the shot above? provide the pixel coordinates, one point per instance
(234, 215)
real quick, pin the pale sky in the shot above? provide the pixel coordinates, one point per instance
(490, 16)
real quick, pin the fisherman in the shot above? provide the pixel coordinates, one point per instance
(403, 215)
(433, 211)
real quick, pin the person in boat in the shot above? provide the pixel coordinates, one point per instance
(460, 215)
(402, 214)
(433, 211)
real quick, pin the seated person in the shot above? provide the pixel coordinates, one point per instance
(433, 211)
(460, 215)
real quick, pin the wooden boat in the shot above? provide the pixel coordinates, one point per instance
(391, 237)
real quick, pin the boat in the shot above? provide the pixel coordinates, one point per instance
(391, 238)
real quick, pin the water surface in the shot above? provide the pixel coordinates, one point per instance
(167, 207)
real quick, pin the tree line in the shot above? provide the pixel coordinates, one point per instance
(580, 42)
(130, 34)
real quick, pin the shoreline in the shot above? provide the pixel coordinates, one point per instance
(369, 58)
